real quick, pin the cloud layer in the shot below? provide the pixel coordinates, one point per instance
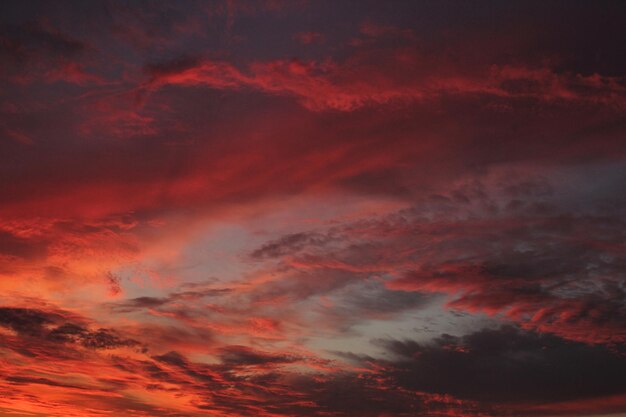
(268, 208)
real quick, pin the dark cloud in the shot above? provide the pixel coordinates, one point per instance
(114, 283)
(98, 339)
(186, 293)
(245, 356)
(41, 381)
(38, 52)
(138, 303)
(26, 321)
(55, 327)
(290, 244)
(172, 358)
(174, 66)
(21, 41)
(197, 371)
(341, 394)
(508, 365)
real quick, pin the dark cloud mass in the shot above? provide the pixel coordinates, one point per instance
(509, 366)
(271, 208)
(55, 327)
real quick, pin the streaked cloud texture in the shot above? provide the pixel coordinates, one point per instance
(312, 208)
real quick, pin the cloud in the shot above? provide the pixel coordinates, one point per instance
(511, 250)
(24, 320)
(13, 245)
(341, 171)
(508, 365)
(406, 76)
(38, 52)
(290, 244)
(235, 356)
(57, 328)
(508, 369)
(308, 38)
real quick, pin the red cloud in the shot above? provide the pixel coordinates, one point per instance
(406, 76)
(213, 210)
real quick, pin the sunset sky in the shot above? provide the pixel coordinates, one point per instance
(312, 208)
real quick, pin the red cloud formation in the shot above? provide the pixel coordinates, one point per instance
(312, 209)
(407, 76)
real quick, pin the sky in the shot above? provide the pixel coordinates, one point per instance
(312, 208)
